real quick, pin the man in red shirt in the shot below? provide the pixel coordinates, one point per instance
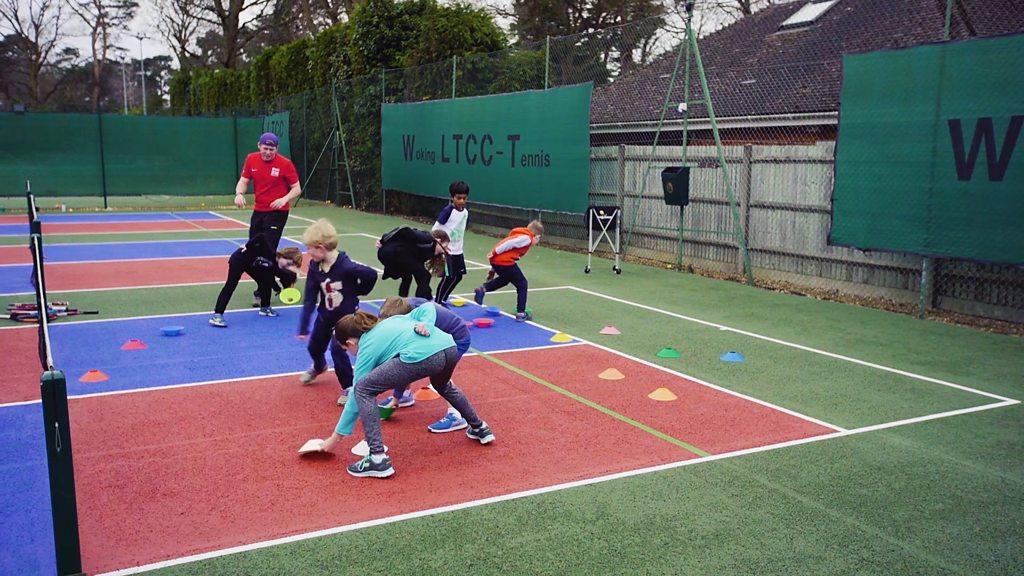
(275, 183)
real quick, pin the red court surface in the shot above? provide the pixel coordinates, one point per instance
(709, 419)
(62, 276)
(155, 226)
(21, 372)
(168, 473)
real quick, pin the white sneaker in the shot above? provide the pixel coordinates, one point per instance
(310, 375)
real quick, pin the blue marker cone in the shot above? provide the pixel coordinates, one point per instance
(732, 356)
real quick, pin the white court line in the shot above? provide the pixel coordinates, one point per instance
(147, 317)
(171, 315)
(238, 243)
(799, 346)
(297, 217)
(543, 490)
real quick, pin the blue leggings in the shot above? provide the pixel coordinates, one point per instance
(322, 337)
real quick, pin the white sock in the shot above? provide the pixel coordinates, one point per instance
(377, 458)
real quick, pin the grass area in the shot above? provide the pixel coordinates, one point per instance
(939, 497)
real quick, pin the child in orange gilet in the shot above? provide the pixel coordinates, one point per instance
(505, 269)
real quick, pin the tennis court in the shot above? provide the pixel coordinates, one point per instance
(829, 428)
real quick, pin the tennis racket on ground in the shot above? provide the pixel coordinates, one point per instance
(32, 316)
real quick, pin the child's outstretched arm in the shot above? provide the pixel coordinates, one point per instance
(366, 361)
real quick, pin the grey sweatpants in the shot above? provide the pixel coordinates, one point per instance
(395, 373)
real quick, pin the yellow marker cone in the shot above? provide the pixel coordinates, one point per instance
(561, 337)
(662, 395)
(611, 374)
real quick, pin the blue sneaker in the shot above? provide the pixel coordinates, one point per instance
(450, 423)
(404, 402)
(478, 295)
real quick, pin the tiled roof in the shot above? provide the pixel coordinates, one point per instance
(755, 70)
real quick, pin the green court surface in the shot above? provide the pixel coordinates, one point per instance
(926, 475)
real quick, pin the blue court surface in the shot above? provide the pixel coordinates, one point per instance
(129, 216)
(26, 532)
(251, 346)
(16, 279)
(145, 250)
(21, 229)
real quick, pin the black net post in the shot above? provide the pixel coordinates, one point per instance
(103, 160)
(63, 503)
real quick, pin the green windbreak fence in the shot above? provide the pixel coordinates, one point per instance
(528, 149)
(928, 159)
(114, 155)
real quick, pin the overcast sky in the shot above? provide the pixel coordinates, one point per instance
(143, 23)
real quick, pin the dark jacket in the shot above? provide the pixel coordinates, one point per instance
(336, 292)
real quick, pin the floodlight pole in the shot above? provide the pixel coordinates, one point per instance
(737, 227)
(142, 66)
(124, 88)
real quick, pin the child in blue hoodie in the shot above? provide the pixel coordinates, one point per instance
(334, 284)
(391, 353)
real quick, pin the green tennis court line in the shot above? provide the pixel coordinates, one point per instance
(602, 409)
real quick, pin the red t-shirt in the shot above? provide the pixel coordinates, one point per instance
(270, 180)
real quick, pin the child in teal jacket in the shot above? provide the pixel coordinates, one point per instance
(390, 353)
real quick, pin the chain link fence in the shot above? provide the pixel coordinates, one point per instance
(762, 170)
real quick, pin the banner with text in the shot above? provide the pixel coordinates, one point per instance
(929, 159)
(526, 149)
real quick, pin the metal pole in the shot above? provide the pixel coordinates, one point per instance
(124, 88)
(454, 60)
(654, 146)
(927, 289)
(103, 161)
(737, 229)
(686, 127)
(383, 94)
(547, 60)
(949, 19)
(142, 66)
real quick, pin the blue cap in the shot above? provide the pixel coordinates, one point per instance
(268, 139)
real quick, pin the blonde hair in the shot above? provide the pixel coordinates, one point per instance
(394, 306)
(354, 325)
(536, 227)
(321, 233)
(292, 254)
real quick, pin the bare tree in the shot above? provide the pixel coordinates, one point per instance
(178, 23)
(37, 29)
(239, 21)
(103, 19)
